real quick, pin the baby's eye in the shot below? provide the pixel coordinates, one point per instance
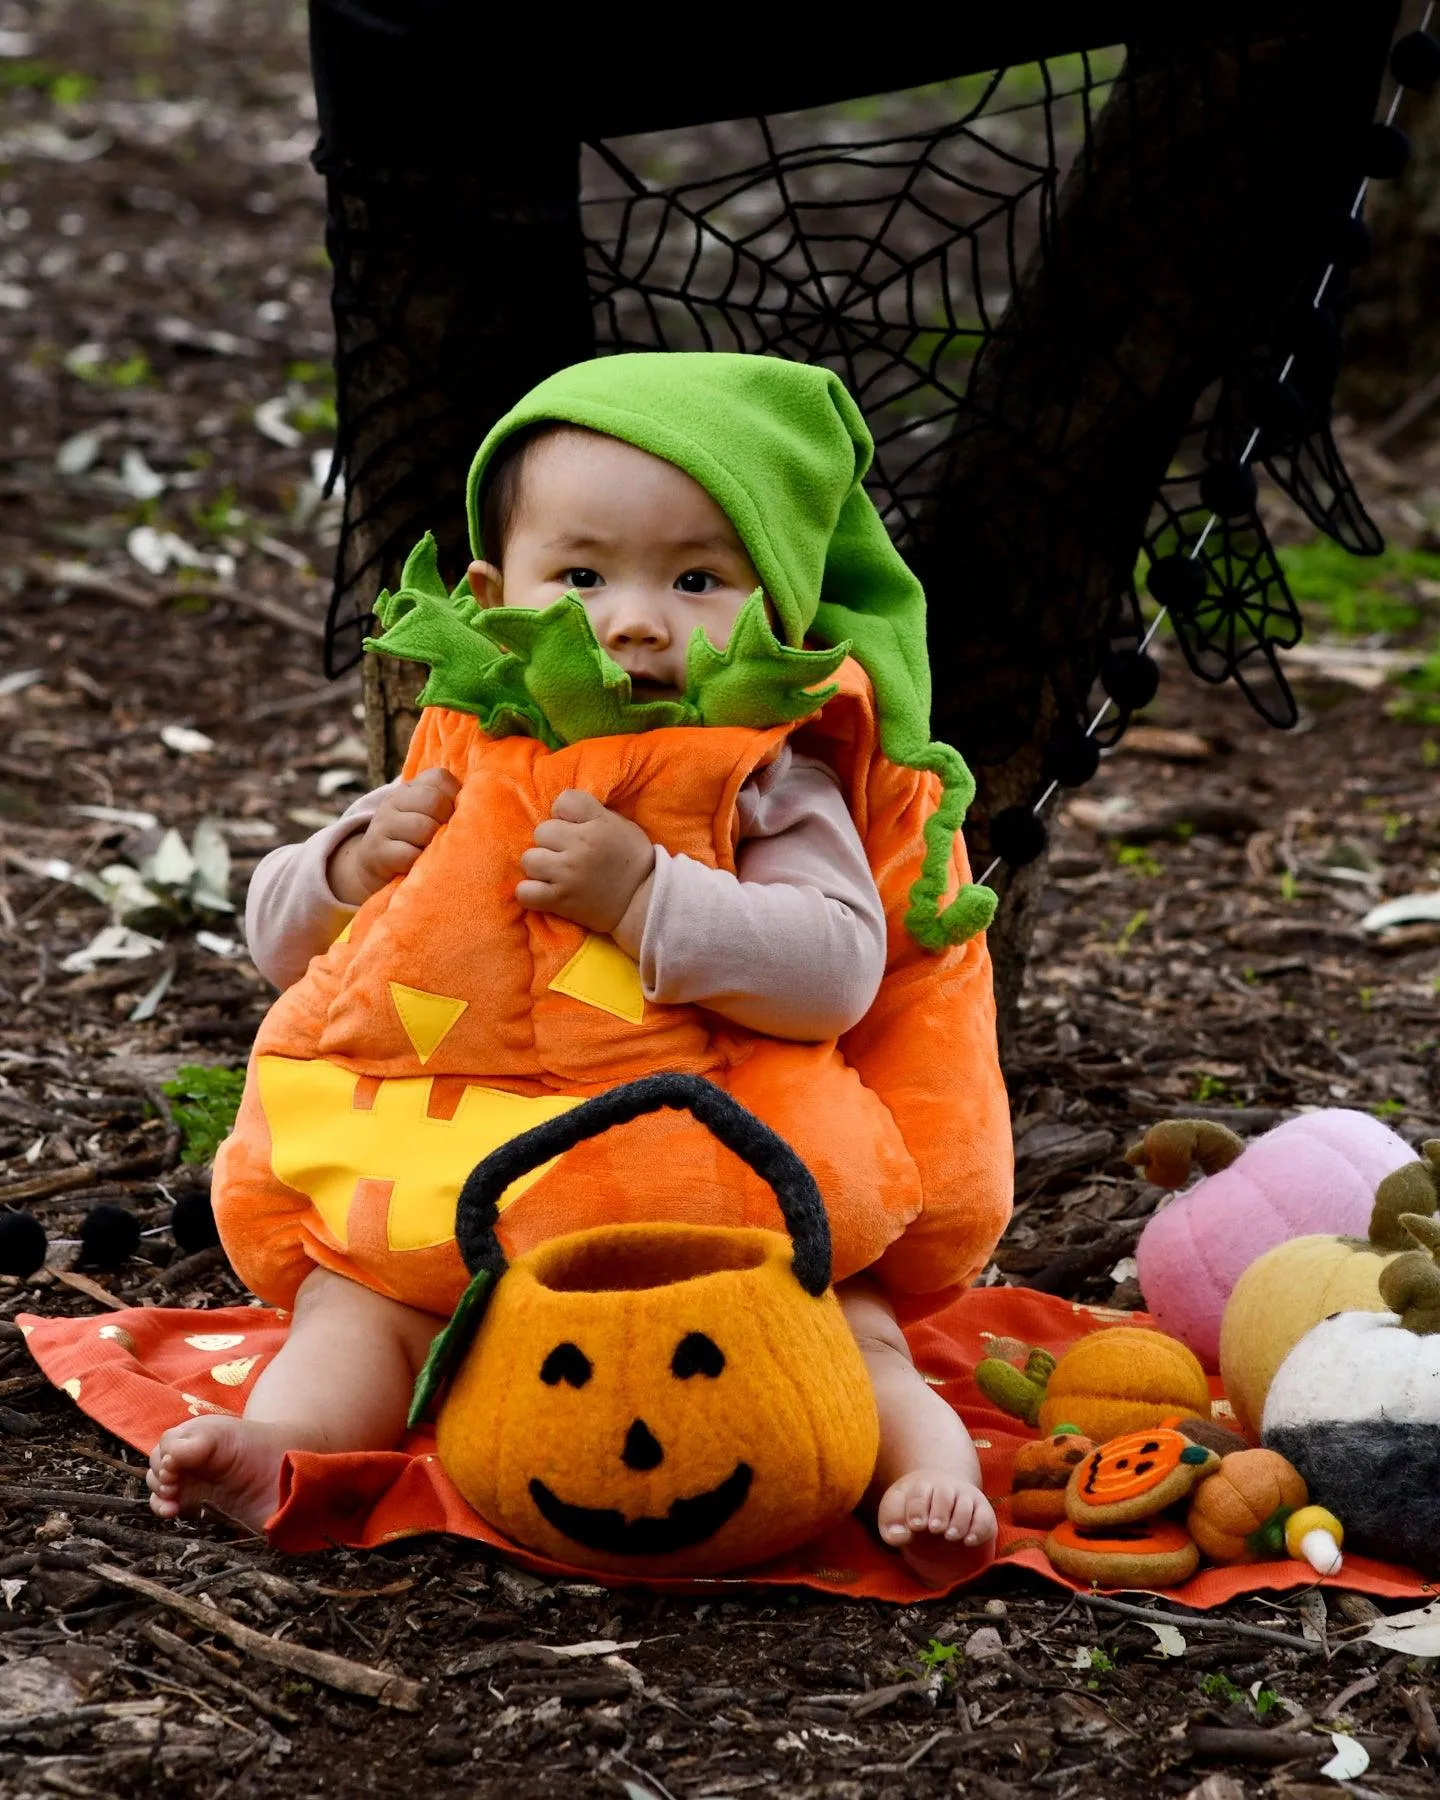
(697, 581)
(581, 578)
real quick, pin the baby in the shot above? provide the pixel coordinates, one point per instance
(792, 945)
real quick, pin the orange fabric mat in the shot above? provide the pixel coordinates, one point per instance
(138, 1372)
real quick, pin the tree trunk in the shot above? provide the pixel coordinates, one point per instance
(1392, 337)
(1197, 208)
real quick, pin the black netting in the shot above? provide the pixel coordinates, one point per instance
(905, 241)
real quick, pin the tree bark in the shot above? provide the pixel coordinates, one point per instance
(1195, 213)
(1392, 337)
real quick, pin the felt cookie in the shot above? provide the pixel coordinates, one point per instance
(1136, 1476)
(1139, 1553)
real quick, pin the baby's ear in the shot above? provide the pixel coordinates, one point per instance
(486, 584)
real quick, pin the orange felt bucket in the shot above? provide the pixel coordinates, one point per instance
(139, 1372)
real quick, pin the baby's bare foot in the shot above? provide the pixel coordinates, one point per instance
(230, 1464)
(937, 1522)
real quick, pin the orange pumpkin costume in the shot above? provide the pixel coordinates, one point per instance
(449, 1018)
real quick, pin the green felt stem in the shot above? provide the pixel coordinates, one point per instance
(449, 1347)
(1004, 1385)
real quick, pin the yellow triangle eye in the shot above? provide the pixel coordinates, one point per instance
(600, 974)
(428, 1018)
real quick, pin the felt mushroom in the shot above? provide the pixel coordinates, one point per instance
(1317, 1173)
(1356, 1407)
(1297, 1284)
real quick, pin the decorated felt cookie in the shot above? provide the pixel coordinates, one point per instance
(1136, 1476)
(1139, 1553)
(1041, 1474)
(1125, 1378)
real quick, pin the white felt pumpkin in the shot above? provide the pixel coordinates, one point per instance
(1355, 1407)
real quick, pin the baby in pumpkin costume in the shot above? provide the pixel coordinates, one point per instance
(641, 826)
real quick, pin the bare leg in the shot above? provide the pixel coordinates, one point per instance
(926, 1487)
(341, 1381)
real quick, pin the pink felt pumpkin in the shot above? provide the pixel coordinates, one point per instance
(1317, 1173)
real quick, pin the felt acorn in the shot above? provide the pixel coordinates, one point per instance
(1124, 1378)
(653, 1399)
(1356, 1407)
(1297, 1284)
(1311, 1174)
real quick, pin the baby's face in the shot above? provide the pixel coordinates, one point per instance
(647, 549)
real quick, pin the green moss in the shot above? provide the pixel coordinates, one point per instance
(204, 1102)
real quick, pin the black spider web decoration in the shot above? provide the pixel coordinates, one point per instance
(890, 259)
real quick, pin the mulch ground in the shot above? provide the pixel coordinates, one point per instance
(1200, 952)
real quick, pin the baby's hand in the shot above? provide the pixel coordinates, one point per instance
(587, 864)
(390, 844)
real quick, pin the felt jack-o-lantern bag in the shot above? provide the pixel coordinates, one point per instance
(659, 1399)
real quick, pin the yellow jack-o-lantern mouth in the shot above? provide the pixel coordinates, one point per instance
(688, 1522)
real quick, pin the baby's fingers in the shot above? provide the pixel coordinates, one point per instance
(577, 806)
(433, 792)
(544, 865)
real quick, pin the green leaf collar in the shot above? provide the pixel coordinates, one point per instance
(544, 674)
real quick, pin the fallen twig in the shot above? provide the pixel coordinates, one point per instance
(1192, 1621)
(1254, 1744)
(199, 1664)
(13, 1494)
(274, 610)
(82, 580)
(92, 1290)
(189, 1268)
(339, 1672)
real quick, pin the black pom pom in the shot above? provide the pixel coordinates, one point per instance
(1228, 488)
(1415, 60)
(1130, 678)
(1350, 241)
(1178, 583)
(22, 1243)
(108, 1234)
(1017, 836)
(1071, 758)
(1384, 151)
(193, 1222)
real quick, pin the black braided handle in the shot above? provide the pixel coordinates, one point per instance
(731, 1124)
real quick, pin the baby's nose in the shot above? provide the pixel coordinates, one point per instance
(635, 628)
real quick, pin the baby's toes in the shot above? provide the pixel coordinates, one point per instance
(892, 1515)
(972, 1519)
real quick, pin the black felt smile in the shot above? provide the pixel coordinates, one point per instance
(688, 1522)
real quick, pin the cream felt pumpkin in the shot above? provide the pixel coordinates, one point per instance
(656, 1399)
(1356, 1407)
(1317, 1173)
(1295, 1285)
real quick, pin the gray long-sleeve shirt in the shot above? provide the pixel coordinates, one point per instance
(793, 944)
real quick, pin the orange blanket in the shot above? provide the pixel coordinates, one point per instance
(139, 1372)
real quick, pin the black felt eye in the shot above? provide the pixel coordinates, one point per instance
(566, 1362)
(696, 1354)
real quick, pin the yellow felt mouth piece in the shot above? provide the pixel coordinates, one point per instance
(600, 974)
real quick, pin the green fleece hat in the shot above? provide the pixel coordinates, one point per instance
(782, 450)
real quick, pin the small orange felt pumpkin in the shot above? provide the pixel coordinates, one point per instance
(1239, 1513)
(1040, 1474)
(1123, 1379)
